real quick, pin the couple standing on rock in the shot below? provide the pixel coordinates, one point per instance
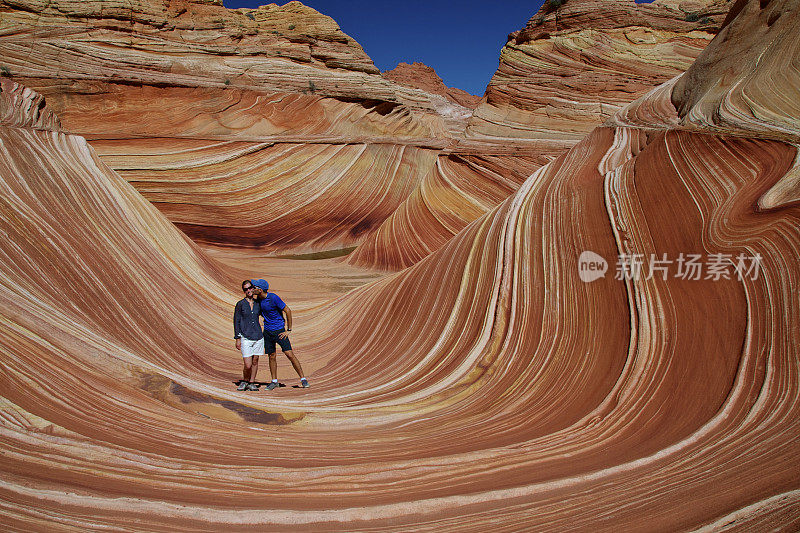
(259, 306)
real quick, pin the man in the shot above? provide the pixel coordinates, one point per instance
(273, 310)
(247, 332)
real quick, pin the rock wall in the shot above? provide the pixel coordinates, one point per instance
(212, 90)
(424, 77)
(23, 107)
(188, 96)
(487, 386)
(577, 62)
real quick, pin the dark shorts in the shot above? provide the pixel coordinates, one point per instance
(271, 337)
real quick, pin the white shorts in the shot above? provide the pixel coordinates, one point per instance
(251, 348)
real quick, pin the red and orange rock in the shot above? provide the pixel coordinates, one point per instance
(204, 93)
(486, 386)
(577, 62)
(423, 77)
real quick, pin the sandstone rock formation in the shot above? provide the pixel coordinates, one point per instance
(569, 70)
(460, 188)
(22, 107)
(206, 100)
(746, 82)
(487, 386)
(70, 52)
(423, 77)
(209, 92)
(577, 62)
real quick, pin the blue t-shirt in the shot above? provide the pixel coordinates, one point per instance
(271, 308)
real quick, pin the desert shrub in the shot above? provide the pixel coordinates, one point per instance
(552, 5)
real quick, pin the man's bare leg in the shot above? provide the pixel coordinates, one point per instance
(297, 368)
(273, 366)
(273, 371)
(295, 363)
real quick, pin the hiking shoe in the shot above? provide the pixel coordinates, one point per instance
(252, 386)
(273, 385)
(242, 385)
(304, 383)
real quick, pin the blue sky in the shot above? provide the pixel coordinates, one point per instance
(460, 40)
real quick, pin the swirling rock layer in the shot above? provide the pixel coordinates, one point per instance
(224, 118)
(575, 65)
(223, 88)
(299, 196)
(207, 81)
(486, 386)
(22, 107)
(749, 81)
(601, 403)
(460, 188)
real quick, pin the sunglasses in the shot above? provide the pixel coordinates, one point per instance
(245, 289)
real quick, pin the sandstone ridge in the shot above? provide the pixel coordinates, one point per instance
(487, 386)
(576, 63)
(212, 113)
(423, 77)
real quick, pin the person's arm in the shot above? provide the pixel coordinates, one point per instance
(237, 332)
(287, 313)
